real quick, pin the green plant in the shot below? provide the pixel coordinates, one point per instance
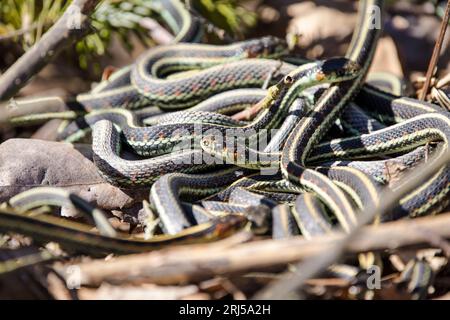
(229, 15)
(25, 21)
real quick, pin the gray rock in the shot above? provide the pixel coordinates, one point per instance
(29, 163)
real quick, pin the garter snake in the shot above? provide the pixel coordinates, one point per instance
(419, 124)
(131, 173)
(81, 237)
(328, 71)
(179, 76)
(256, 182)
(76, 235)
(117, 88)
(159, 139)
(312, 127)
(309, 214)
(37, 197)
(166, 191)
(283, 223)
(220, 104)
(146, 82)
(249, 198)
(425, 125)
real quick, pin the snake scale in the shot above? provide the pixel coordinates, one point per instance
(312, 152)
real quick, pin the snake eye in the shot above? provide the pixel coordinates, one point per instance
(254, 51)
(206, 141)
(288, 80)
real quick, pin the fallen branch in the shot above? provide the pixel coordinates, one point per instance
(200, 262)
(157, 31)
(292, 282)
(72, 25)
(436, 52)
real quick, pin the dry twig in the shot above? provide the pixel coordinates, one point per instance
(436, 52)
(73, 24)
(200, 262)
(288, 285)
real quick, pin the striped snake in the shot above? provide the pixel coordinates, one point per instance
(80, 237)
(329, 151)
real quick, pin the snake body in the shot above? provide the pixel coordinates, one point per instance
(312, 127)
(165, 194)
(127, 87)
(329, 154)
(81, 238)
(163, 138)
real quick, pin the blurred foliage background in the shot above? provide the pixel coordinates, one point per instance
(23, 22)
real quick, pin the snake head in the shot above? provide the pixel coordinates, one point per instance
(275, 91)
(259, 216)
(338, 69)
(265, 47)
(211, 145)
(229, 224)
